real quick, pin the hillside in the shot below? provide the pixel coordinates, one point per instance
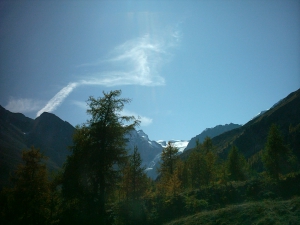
(252, 136)
(264, 212)
(211, 132)
(53, 136)
(18, 132)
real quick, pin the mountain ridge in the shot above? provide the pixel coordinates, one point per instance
(251, 137)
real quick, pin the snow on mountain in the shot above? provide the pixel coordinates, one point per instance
(180, 144)
(148, 149)
(153, 165)
(146, 138)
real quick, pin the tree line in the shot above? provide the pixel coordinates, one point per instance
(101, 184)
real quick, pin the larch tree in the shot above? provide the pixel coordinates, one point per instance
(274, 152)
(169, 157)
(235, 165)
(98, 152)
(134, 178)
(31, 190)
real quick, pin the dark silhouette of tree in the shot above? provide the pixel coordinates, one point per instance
(134, 178)
(274, 152)
(168, 160)
(30, 194)
(202, 164)
(98, 152)
(235, 164)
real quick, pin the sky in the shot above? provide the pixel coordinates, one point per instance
(186, 65)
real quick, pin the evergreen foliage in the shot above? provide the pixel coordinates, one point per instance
(97, 156)
(168, 160)
(134, 179)
(28, 200)
(236, 164)
(274, 152)
(101, 184)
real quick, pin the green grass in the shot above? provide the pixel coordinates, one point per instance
(260, 213)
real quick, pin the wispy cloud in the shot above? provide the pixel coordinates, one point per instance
(58, 98)
(145, 121)
(23, 105)
(80, 104)
(137, 62)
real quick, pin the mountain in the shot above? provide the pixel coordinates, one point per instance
(185, 145)
(18, 132)
(252, 136)
(148, 149)
(53, 136)
(154, 163)
(211, 132)
(180, 144)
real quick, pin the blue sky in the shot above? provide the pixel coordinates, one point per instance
(186, 65)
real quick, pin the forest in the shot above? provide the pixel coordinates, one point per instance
(101, 184)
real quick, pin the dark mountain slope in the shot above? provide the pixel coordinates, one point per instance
(53, 136)
(13, 127)
(251, 137)
(18, 132)
(211, 132)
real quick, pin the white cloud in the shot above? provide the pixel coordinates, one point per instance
(138, 63)
(23, 105)
(80, 104)
(58, 98)
(145, 121)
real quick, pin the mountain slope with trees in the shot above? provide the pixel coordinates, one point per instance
(211, 132)
(251, 137)
(101, 183)
(18, 132)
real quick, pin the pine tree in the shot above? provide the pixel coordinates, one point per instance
(274, 152)
(134, 178)
(201, 164)
(98, 152)
(31, 190)
(235, 164)
(168, 160)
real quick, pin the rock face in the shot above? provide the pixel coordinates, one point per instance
(147, 148)
(211, 132)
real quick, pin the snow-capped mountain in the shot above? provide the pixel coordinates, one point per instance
(180, 144)
(154, 164)
(148, 149)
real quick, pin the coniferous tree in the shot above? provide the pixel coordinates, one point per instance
(207, 145)
(30, 194)
(134, 178)
(274, 152)
(198, 170)
(235, 165)
(174, 183)
(168, 160)
(98, 152)
(201, 164)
